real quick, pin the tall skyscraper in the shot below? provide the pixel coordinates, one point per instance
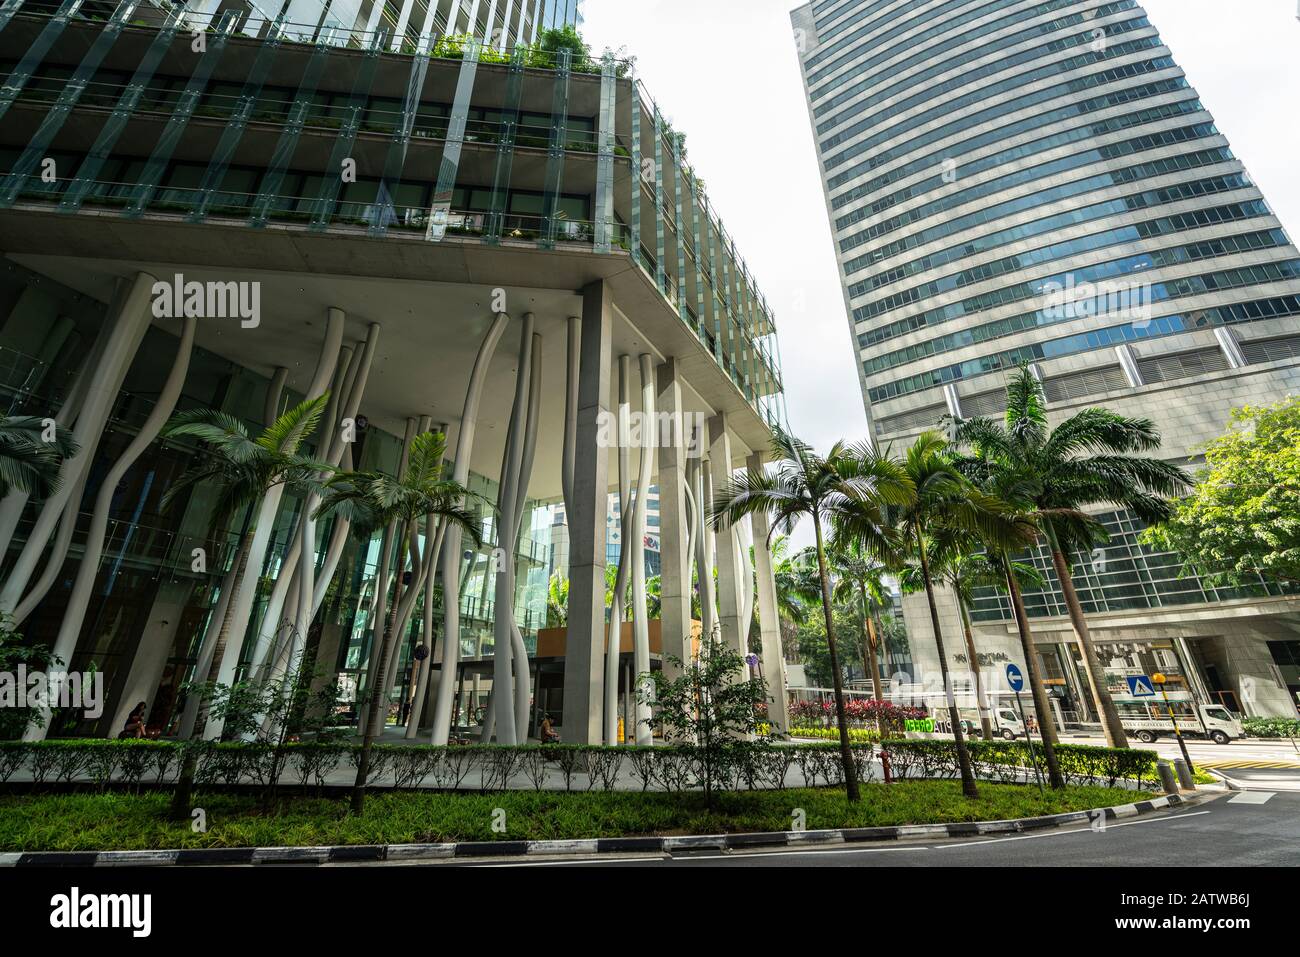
(1011, 181)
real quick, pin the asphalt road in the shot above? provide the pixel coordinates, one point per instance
(1246, 829)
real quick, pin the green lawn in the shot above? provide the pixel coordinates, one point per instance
(113, 821)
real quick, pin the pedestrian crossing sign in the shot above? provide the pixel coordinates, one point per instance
(1139, 686)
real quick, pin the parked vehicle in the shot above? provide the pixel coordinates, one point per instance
(1148, 718)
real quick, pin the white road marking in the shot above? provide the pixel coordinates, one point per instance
(1251, 797)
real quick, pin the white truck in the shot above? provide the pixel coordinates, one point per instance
(1148, 718)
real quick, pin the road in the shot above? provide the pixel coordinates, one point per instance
(1252, 828)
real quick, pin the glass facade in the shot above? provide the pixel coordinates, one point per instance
(977, 152)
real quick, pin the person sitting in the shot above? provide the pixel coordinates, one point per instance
(134, 727)
(548, 732)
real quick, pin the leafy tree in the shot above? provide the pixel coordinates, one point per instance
(705, 710)
(28, 463)
(15, 652)
(1243, 518)
(243, 469)
(844, 488)
(1093, 458)
(944, 503)
(860, 581)
(557, 601)
(373, 499)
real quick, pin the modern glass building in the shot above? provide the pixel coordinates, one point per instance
(440, 230)
(1035, 181)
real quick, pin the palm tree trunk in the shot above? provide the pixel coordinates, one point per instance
(846, 753)
(963, 755)
(986, 723)
(1115, 736)
(873, 642)
(1036, 688)
(180, 808)
(378, 699)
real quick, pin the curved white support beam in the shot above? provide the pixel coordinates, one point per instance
(523, 678)
(129, 326)
(451, 549)
(270, 505)
(640, 616)
(79, 600)
(504, 648)
(614, 631)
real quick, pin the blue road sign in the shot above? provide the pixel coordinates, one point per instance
(1015, 678)
(1140, 686)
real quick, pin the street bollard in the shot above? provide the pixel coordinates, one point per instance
(1184, 775)
(1167, 779)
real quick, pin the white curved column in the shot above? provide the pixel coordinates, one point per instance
(640, 616)
(270, 505)
(614, 631)
(451, 557)
(79, 599)
(129, 326)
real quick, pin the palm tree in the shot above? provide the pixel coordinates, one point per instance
(372, 499)
(944, 502)
(964, 565)
(843, 488)
(791, 593)
(557, 601)
(32, 451)
(860, 580)
(243, 470)
(993, 476)
(1090, 459)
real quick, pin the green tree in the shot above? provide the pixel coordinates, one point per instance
(1243, 518)
(557, 601)
(860, 581)
(373, 499)
(1095, 457)
(944, 503)
(705, 710)
(843, 488)
(28, 462)
(243, 470)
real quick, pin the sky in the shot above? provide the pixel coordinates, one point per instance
(725, 72)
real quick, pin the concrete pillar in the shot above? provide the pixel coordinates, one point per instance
(769, 619)
(674, 537)
(729, 584)
(585, 647)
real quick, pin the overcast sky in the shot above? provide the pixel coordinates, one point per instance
(725, 73)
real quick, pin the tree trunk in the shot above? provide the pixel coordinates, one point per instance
(986, 722)
(963, 755)
(180, 809)
(873, 642)
(846, 753)
(1039, 692)
(378, 699)
(1115, 736)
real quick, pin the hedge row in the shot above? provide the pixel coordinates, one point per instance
(1009, 761)
(756, 766)
(1271, 727)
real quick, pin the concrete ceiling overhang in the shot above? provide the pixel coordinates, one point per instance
(432, 301)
